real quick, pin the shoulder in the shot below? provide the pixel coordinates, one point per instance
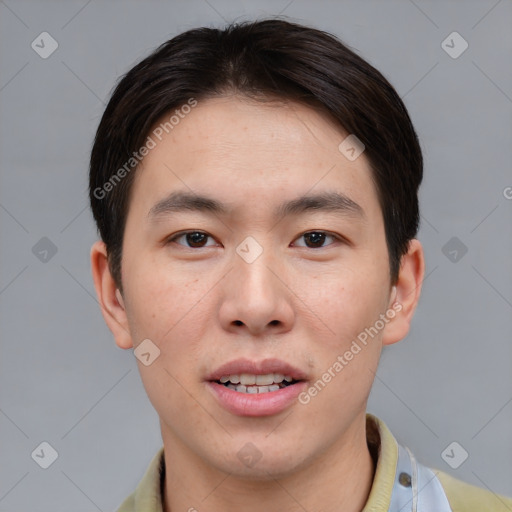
(147, 497)
(464, 497)
(128, 504)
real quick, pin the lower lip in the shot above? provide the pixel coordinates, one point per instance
(256, 404)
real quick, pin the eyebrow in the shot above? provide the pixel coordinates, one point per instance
(180, 201)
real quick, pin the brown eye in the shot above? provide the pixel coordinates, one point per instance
(193, 239)
(196, 239)
(315, 239)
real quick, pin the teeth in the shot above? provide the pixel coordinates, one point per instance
(234, 379)
(264, 380)
(248, 379)
(254, 389)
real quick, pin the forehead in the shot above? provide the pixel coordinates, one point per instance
(250, 153)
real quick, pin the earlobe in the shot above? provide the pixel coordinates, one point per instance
(109, 297)
(405, 293)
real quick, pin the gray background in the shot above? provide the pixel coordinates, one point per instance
(62, 378)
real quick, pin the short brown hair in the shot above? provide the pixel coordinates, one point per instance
(274, 59)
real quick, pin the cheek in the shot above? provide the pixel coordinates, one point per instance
(346, 302)
(161, 298)
(349, 303)
(169, 311)
(175, 310)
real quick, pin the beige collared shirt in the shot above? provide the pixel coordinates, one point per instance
(462, 497)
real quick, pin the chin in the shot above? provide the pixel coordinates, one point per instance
(263, 471)
(261, 460)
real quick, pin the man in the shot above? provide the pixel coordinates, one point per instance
(255, 189)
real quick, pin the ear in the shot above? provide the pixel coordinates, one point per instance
(405, 293)
(109, 297)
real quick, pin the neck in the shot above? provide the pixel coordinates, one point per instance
(339, 479)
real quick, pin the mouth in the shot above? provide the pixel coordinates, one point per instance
(252, 384)
(250, 388)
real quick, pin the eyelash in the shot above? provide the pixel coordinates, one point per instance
(181, 234)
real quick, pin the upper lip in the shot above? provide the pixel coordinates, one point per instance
(264, 367)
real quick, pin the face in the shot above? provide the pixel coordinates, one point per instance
(254, 258)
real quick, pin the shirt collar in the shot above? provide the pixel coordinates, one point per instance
(381, 441)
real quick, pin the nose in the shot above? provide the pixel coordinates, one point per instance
(256, 298)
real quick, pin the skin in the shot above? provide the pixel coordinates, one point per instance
(206, 306)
